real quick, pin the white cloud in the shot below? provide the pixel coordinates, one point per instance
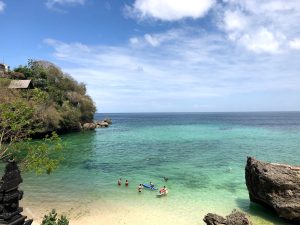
(192, 67)
(170, 10)
(268, 26)
(157, 39)
(261, 26)
(152, 40)
(53, 3)
(234, 20)
(295, 43)
(2, 6)
(134, 40)
(262, 41)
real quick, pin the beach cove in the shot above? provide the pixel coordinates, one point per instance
(203, 154)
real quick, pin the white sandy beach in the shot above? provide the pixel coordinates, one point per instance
(130, 213)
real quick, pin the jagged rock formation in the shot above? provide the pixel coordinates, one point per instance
(214, 219)
(276, 186)
(235, 218)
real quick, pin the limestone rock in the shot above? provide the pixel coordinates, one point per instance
(89, 126)
(214, 219)
(235, 218)
(276, 186)
(103, 123)
(107, 120)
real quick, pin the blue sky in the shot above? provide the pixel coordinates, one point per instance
(164, 55)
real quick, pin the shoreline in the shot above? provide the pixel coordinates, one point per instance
(112, 212)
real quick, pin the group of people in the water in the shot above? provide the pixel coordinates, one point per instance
(162, 191)
(120, 182)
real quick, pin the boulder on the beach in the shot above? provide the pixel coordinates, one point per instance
(89, 126)
(276, 186)
(235, 218)
(214, 219)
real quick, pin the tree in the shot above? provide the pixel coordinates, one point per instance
(15, 119)
(15, 130)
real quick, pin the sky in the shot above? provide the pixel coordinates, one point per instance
(164, 55)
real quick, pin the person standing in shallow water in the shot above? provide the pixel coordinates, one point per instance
(120, 182)
(140, 187)
(126, 183)
(151, 184)
(163, 191)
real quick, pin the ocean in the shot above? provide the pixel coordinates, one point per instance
(203, 155)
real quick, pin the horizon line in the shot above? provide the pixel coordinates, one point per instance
(277, 111)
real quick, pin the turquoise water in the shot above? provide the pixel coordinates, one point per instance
(203, 155)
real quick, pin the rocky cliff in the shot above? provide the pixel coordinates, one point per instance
(276, 186)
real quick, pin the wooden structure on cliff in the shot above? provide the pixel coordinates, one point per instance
(20, 84)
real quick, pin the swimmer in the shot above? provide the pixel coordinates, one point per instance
(120, 182)
(140, 187)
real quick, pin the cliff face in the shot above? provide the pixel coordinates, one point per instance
(276, 186)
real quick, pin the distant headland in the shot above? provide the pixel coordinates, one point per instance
(59, 102)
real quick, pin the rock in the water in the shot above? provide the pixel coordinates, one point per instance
(103, 123)
(214, 219)
(276, 186)
(89, 126)
(235, 218)
(107, 120)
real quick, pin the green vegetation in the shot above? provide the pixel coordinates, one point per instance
(15, 130)
(59, 102)
(51, 219)
(56, 104)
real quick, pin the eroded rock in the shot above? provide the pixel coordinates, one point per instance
(89, 126)
(235, 218)
(276, 186)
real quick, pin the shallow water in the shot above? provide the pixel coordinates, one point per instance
(202, 154)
